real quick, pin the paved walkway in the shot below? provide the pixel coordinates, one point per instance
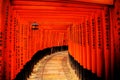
(53, 67)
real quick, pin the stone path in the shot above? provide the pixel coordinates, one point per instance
(53, 67)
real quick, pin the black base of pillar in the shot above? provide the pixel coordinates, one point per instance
(82, 73)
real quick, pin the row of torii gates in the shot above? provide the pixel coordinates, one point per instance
(90, 29)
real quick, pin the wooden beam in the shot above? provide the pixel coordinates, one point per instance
(55, 4)
(52, 19)
(106, 2)
(57, 11)
(24, 7)
(55, 14)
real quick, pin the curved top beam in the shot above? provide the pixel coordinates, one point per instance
(106, 2)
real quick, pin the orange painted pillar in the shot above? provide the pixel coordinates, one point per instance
(42, 42)
(58, 42)
(65, 41)
(99, 45)
(90, 40)
(41, 38)
(68, 35)
(45, 38)
(69, 39)
(62, 38)
(93, 50)
(13, 58)
(84, 44)
(106, 41)
(5, 29)
(88, 43)
(81, 44)
(50, 38)
(74, 52)
(77, 43)
(1, 41)
(112, 38)
(115, 29)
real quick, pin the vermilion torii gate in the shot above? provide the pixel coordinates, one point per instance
(90, 29)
